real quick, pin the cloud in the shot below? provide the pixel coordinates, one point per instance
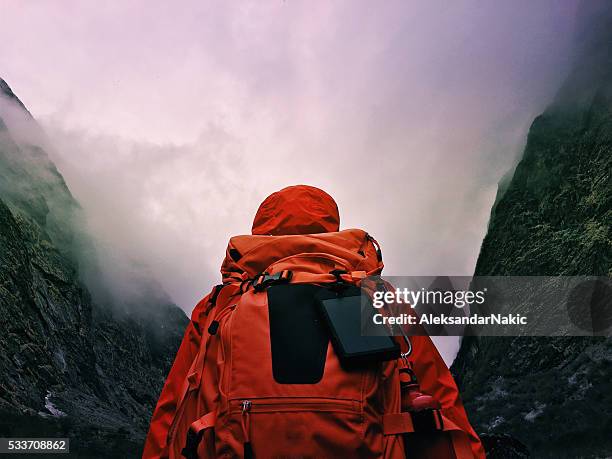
(172, 124)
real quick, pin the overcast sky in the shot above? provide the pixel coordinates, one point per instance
(172, 121)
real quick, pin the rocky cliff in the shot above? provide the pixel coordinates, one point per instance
(553, 218)
(76, 360)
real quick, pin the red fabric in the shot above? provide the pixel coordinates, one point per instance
(435, 379)
(299, 209)
(155, 445)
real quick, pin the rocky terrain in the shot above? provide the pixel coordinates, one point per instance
(76, 359)
(79, 360)
(553, 217)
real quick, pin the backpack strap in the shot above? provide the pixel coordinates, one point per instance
(194, 375)
(407, 422)
(195, 434)
(429, 419)
(263, 280)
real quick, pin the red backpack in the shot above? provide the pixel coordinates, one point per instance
(257, 375)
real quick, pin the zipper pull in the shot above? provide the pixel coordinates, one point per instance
(246, 407)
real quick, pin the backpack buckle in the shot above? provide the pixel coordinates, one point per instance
(337, 273)
(340, 283)
(264, 280)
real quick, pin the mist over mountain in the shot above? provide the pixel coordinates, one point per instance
(553, 217)
(164, 128)
(171, 125)
(82, 355)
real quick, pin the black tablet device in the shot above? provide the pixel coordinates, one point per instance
(353, 343)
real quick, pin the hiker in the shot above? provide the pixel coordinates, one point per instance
(258, 375)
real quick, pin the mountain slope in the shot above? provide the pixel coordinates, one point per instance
(75, 359)
(553, 218)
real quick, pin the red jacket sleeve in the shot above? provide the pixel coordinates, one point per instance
(436, 379)
(155, 444)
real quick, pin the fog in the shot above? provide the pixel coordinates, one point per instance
(171, 124)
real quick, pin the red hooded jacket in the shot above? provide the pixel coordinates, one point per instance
(300, 209)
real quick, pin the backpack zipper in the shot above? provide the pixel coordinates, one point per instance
(288, 404)
(270, 405)
(246, 427)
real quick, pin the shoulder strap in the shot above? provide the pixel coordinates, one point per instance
(218, 298)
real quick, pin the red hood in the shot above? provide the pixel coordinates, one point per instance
(299, 209)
